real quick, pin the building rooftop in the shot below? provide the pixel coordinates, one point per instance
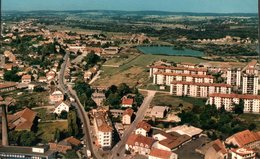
(142, 141)
(184, 75)
(201, 84)
(162, 154)
(240, 96)
(23, 150)
(245, 137)
(186, 130)
(144, 125)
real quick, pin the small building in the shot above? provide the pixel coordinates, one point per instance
(42, 79)
(65, 145)
(127, 116)
(61, 106)
(246, 138)
(26, 79)
(139, 144)
(7, 86)
(22, 120)
(162, 154)
(56, 96)
(116, 112)
(18, 152)
(99, 98)
(50, 75)
(214, 149)
(127, 102)
(243, 153)
(143, 128)
(111, 50)
(159, 111)
(188, 130)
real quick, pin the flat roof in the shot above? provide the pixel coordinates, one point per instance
(23, 150)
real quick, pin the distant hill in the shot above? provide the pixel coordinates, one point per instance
(133, 13)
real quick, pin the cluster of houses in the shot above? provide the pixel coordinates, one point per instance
(199, 81)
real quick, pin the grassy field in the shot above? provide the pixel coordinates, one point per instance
(255, 118)
(161, 99)
(135, 71)
(46, 130)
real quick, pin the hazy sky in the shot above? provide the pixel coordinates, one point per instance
(216, 6)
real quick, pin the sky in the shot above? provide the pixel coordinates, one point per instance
(208, 6)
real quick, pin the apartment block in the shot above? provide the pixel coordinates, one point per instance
(251, 102)
(103, 128)
(172, 69)
(250, 84)
(202, 90)
(234, 77)
(163, 78)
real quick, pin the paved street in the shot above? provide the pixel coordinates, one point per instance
(119, 148)
(81, 112)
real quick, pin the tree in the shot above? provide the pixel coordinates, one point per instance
(57, 135)
(73, 124)
(28, 138)
(12, 75)
(64, 114)
(239, 108)
(91, 59)
(123, 89)
(71, 154)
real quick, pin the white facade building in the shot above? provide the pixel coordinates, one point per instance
(251, 102)
(234, 77)
(62, 106)
(250, 84)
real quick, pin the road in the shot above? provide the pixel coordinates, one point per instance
(119, 148)
(81, 112)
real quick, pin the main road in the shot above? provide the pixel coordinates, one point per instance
(119, 149)
(80, 109)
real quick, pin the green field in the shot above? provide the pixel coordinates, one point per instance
(161, 99)
(46, 130)
(136, 71)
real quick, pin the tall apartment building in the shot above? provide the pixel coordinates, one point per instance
(103, 129)
(163, 78)
(202, 90)
(251, 102)
(250, 84)
(234, 77)
(172, 69)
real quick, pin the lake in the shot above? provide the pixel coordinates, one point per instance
(167, 50)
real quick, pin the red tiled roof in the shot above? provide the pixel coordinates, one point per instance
(128, 111)
(162, 154)
(26, 77)
(133, 139)
(246, 137)
(174, 143)
(72, 141)
(127, 101)
(201, 84)
(7, 85)
(144, 125)
(240, 96)
(184, 74)
(219, 146)
(105, 128)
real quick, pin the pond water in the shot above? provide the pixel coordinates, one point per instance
(167, 50)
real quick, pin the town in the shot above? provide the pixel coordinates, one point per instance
(85, 93)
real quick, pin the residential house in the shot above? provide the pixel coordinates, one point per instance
(61, 106)
(170, 141)
(7, 86)
(127, 116)
(56, 96)
(162, 154)
(98, 98)
(159, 111)
(246, 138)
(42, 79)
(111, 50)
(26, 79)
(243, 153)
(127, 102)
(214, 149)
(139, 144)
(50, 75)
(22, 120)
(143, 128)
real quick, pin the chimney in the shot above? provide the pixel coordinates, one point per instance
(4, 126)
